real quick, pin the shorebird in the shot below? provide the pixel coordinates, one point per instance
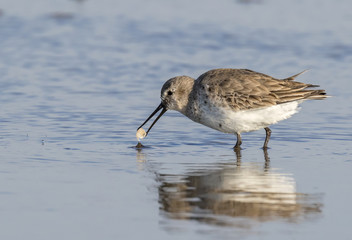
(235, 100)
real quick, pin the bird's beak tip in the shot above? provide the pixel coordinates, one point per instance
(164, 109)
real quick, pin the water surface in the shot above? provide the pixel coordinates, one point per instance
(78, 78)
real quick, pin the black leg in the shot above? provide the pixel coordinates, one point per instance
(239, 142)
(267, 137)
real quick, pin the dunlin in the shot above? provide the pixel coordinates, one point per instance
(235, 100)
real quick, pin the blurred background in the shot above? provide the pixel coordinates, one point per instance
(77, 77)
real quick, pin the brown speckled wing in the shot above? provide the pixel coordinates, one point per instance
(243, 89)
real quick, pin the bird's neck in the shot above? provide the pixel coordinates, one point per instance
(185, 96)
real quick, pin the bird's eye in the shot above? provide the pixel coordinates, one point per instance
(169, 93)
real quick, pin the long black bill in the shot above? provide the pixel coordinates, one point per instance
(161, 106)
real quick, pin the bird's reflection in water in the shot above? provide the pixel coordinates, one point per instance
(228, 192)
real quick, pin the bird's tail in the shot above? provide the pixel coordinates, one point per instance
(317, 94)
(309, 94)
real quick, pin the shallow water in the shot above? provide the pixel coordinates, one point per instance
(78, 78)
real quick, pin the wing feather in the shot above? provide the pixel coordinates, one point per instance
(243, 89)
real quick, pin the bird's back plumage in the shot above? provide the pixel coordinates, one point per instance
(243, 89)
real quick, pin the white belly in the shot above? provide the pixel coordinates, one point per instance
(225, 120)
